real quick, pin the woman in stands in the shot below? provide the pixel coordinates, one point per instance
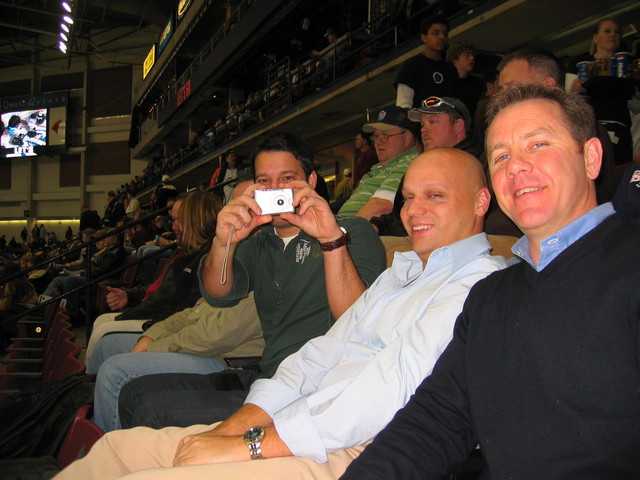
(607, 94)
(175, 289)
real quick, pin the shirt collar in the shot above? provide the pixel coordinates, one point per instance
(459, 253)
(555, 244)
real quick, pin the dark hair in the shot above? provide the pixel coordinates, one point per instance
(425, 24)
(285, 142)
(457, 48)
(366, 137)
(577, 114)
(489, 76)
(538, 59)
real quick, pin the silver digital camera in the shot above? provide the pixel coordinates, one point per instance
(275, 201)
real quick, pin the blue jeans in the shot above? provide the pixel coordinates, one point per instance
(115, 371)
(181, 400)
(64, 285)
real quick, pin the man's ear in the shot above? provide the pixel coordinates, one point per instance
(313, 180)
(549, 82)
(483, 200)
(592, 155)
(459, 125)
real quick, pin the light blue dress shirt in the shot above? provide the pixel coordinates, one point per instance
(554, 245)
(342, 388)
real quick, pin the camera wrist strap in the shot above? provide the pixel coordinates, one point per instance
(225, 262)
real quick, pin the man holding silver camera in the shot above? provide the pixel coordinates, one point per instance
(305, 268)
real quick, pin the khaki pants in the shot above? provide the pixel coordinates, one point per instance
(143, 453)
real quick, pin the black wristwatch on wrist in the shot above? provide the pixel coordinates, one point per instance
(344, 240)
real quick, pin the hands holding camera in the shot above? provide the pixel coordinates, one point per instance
(302, 208)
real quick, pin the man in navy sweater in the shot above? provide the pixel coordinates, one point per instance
(543, 370)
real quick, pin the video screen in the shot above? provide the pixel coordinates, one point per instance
(23, 131)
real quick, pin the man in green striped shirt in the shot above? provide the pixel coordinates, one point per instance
(394, 138)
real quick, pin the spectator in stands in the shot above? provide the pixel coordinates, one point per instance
(166, 232)
(609, 96)
(445, 122)
(13, 245)
(395, 143)
(343, 188)
(3, 243)
(557, 309)
(24, 234)
(16, 296)
(114, 210)
(227, 171)
(139, 234)
(89, 218)
(39, 277)
(196, 337)
(535, 65)
(462, 55)
(340, 389)
(68, 234)
(166, 191)
(427, 74)
(366, 159)
(175, 289)
(110, 255)
(35, 233)
(326, 58)
(491, 87)
(299, 290)
(133, 205)
(76, 260)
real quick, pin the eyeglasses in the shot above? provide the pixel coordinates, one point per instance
(384, 137)
(437, 102)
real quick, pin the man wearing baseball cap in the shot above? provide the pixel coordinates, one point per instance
(445, 122)
(393, 135)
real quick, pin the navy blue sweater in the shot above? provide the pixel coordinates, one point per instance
(543, 372)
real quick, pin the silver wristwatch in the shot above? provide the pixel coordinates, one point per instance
(253, 439)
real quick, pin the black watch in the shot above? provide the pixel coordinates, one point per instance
(345, 239)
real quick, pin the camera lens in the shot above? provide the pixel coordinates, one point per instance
(280, 202)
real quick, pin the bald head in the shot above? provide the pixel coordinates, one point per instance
(445, 199)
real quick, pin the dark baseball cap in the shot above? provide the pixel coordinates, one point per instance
(390, 117)
(448, 105)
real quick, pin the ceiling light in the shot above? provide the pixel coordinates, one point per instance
(66, 6)
(64, 37)
(68, 19)
(62, 46)
(64, 27)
